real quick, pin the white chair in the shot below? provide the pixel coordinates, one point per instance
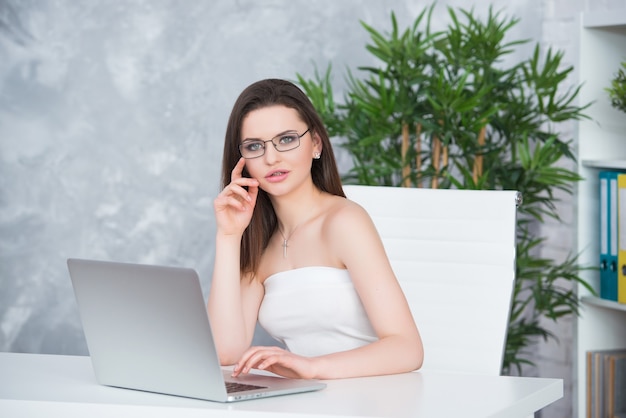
(453, 252)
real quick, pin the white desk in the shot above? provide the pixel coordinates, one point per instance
(37, 385)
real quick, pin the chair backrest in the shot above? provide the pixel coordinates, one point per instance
(453, 252)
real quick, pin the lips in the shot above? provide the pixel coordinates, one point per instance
(276, 176)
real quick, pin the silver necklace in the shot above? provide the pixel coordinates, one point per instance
(286, 239)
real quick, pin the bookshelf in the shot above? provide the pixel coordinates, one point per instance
(601, 145)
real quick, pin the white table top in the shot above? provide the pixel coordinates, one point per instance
(39, 385)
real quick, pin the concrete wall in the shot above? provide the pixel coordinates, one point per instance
(112, 116)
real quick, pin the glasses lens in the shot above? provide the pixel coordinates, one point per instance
(287, 141)
(252, 149)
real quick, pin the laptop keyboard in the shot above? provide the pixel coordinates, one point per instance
(233, 387)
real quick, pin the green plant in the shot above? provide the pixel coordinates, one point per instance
(617, 91)
(443, 110)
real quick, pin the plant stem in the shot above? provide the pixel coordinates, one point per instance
(418, 152)
(406, 167)
(478, 162)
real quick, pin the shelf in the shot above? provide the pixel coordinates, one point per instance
(601, 146)
(609, 164)
(605, 19)
(603, 303)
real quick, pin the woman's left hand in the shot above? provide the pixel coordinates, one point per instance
(275, 360)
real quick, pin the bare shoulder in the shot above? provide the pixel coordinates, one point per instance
(353, 239)
(344, 214)
(347, 224)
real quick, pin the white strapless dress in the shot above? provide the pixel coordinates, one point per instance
(315, 311)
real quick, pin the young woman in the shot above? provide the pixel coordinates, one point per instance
(293, 253)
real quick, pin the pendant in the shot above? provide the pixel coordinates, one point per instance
(285, 248)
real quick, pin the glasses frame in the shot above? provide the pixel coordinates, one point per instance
(277, 137)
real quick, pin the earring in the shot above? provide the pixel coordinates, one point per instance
(317, 155)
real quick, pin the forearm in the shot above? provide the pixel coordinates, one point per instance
(389, 355)
(225, 306)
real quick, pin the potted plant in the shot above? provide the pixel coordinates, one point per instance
(617, 90)
(441, 110)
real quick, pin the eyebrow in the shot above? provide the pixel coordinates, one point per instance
(278, 134)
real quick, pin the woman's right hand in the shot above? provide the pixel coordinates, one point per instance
(234, 205)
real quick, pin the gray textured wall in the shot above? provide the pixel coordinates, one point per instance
(112, 115)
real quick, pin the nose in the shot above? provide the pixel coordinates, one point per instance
(271, 155)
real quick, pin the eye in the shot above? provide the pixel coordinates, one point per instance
(252, 146)
(287, 139)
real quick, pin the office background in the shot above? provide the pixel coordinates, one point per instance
(112, 116)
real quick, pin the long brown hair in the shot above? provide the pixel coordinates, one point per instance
(324, 171)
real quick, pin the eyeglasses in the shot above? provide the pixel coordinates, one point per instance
(254, 148)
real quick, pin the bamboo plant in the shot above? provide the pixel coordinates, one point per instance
(442, 110)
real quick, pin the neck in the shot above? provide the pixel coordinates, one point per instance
(294, 209)
(293, 213)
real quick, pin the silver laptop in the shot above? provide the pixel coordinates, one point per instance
(147, 328)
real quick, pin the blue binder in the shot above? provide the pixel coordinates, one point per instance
(608, 235)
